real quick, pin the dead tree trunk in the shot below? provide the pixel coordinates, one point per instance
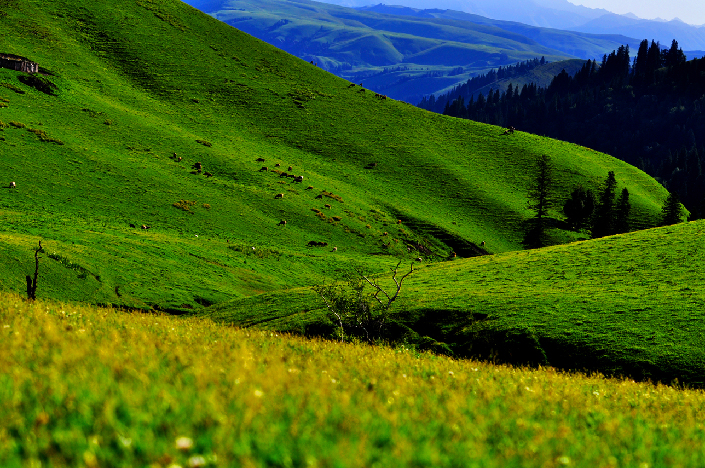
(32, 282)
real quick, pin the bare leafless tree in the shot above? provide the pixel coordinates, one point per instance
(351, 307)
(32, 282)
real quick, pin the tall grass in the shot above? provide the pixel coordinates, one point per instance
(81, 386)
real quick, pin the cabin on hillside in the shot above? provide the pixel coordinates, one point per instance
(15, 62)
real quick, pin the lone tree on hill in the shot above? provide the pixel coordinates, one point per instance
(672, 210)
(579, 207)
(603, 223)
(621, 222)
(541, 198)
(355, 310)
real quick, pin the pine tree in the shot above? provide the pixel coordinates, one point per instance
(603, 221)
(672, 210)
(541, 198)
(622, 213)
(579, 208)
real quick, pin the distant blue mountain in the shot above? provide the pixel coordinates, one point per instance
(688, 37)
(557, 14)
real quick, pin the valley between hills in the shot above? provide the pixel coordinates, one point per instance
(177, 321)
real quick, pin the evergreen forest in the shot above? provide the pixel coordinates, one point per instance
(647, 111)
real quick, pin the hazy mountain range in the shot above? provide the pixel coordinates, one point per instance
(407, 55)
(558, 14)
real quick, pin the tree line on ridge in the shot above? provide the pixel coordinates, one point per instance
(648, 111)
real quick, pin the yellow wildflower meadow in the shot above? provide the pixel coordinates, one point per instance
(84, 386)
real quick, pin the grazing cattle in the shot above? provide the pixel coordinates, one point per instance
(319, 196)
(283, 174)
(317, 244)
(385, 234)
(208, 174)
(310, 187)
(179, 159)
(335, 249)
(13, 185)
(279, 195)
(282, 223)
(398, 221)
(277, 165)
(418, 259)
(290, 168)
(145, 226)
(260, 159)
(174, 155)
(482, 244)
(352, 85)
(328, 206)
(132, 225)
(264, 168)
(197, 166)
(299, 179)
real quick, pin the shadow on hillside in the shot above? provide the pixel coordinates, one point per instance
(477, 336)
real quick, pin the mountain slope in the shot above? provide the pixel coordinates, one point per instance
(405, 55)
(139, 86)
(688, 36)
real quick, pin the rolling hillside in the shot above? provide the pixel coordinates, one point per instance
(628, 305)
(407, 55)
(93, 144)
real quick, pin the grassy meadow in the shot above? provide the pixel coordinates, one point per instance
(134, 94)
(84, 386)
(137, 84)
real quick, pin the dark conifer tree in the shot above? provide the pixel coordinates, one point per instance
(603, 221)
(674, 56)
(622, 213)
(641, 59)
(672, 210)
(541, 198)
(579, 207)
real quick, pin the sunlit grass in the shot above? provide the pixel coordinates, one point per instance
(81, 386)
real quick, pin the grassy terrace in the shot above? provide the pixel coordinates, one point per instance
(82, 386)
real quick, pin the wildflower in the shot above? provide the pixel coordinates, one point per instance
(196, 462)
(125, 441)
(259, 393)
(564, 460)
(184, 443)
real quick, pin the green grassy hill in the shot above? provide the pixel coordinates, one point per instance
(136, 82)
(629, 304)
(541, 76)
(404, 56)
